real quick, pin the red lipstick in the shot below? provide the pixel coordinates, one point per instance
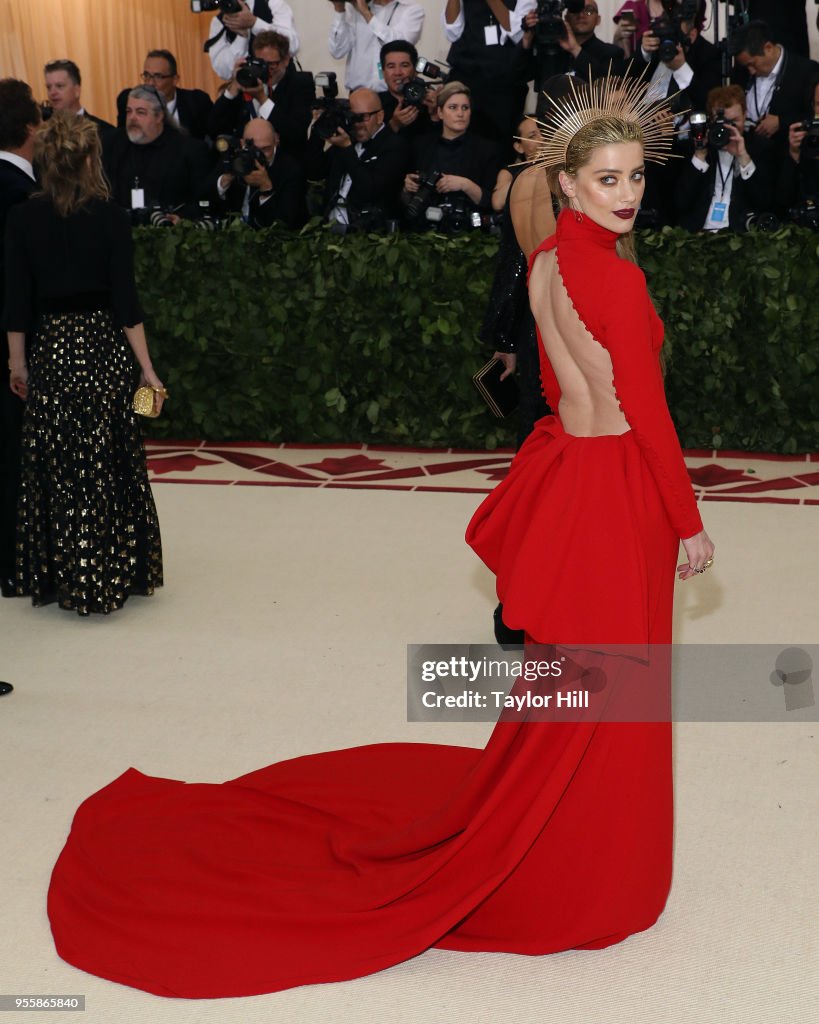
(624, 214)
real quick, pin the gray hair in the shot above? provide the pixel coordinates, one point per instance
(153, 96)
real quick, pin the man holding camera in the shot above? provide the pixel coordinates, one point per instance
(798, 180)
(233, 31)
(263, 184)
(721, 185)
(152, 164)
(404, 102)
(362, 168)
(267, 85)
(188, 108)
(573, 48)
(359, 30)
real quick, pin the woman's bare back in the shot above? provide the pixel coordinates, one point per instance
(588, 404)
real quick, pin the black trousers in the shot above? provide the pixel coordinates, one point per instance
(11, 424)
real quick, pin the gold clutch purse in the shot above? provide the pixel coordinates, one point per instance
(147, 400)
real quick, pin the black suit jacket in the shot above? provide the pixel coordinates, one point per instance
(193, 108)
(377, 175)
(107, 132)
(791, 91)
(15, 187)
(292, 100)
(704, 60)
(172, 170)
(286, 205)
(594, 57)
(695, 190)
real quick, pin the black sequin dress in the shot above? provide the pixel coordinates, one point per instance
(87, 528)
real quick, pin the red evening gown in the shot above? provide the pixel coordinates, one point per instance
(555, 836)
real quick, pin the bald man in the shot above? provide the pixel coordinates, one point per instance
(272, 192)
(363, 168)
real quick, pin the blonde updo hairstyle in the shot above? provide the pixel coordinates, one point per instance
(67, 153)
(603, 131)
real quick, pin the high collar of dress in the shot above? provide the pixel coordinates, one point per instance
(579, 228)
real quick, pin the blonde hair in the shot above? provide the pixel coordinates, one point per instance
(67, 152)
(452, 89)
(603, 131)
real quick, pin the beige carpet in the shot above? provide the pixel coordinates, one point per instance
(282, 630)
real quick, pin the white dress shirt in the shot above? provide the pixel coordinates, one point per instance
(723, 184)
(19, 161)
(223, 55)
(760, 92)
(454, 31)
(360, 41)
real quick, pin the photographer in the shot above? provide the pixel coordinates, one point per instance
(263, 184)
(360, 29)
(465, 165)
(232, 35)
(362, 167)
(405, 114)
(570, 47)
(798, 180)
(152, 164)
(267, 86)
(485, 57)
(188, 108)
(634, 18)
(720, 186)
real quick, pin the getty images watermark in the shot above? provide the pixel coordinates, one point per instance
(612, 682)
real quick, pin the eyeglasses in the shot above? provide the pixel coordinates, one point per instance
(154, 76)
(365, 114)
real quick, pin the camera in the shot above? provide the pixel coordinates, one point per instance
(810, 144)
(252, 73)
(806, 214)
(239, 158)
(550, 27)
(413, 92)
(698, 131)
(152, 216)
(429, 70)
(454, 216)
(762, 222)
(425, 194)
(223, 6)
(336, 113)
(668, 28)
(719, 135)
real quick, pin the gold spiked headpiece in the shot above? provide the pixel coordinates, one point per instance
(612, 96)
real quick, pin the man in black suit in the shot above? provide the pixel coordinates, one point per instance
(788, 20)
(152, 162)
(272, 192)
(189, 108)
(63, 82)
(398, 60)
(579, 51)
(776, 82)
(719, 187)
(685, 80)
(363, 173)
(283, 98)
(19, 118)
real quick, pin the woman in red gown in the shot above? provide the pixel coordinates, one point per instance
(556, 836)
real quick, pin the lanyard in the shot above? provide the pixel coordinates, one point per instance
(723, 181)
(774, 89)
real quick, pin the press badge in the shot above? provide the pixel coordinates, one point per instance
(492, 35)
(718, 212)
(137, 198)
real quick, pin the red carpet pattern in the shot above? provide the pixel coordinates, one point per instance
(716, 475)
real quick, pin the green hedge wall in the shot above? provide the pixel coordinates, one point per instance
(316, 337)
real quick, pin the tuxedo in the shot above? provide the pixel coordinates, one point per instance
(787, 20)
(377, 175)
(15, 187)
(704, 60)
(285, 206)
(192, 111)
(292, 101)
(792, 94)
(172, 170)
(695, 189)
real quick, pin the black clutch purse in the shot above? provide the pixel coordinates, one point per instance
(502, 396)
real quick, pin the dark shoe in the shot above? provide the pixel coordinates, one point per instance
(505, 636)
(7, 587)
(5, 688)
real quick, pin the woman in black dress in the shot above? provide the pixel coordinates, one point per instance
(87, 529)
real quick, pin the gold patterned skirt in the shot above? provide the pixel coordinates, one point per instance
(87, 528)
